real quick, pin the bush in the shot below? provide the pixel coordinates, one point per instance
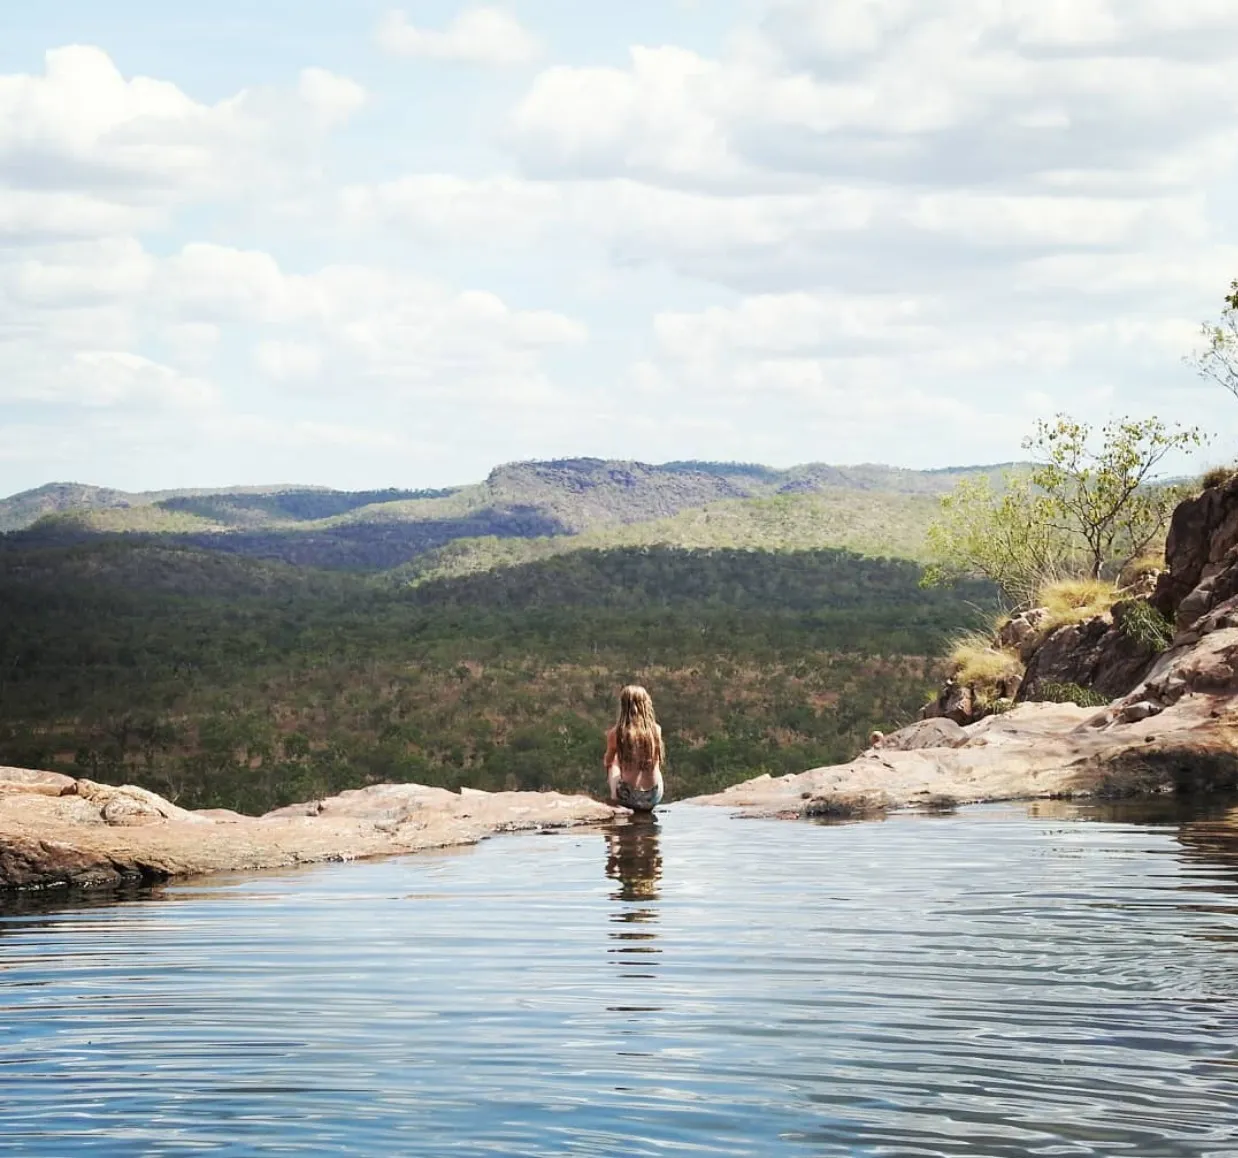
(1053, 693)
(1142, 623)
(1070, 601)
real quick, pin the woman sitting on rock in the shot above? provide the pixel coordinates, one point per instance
(634, 753)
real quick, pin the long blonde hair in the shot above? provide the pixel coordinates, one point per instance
(638, 740)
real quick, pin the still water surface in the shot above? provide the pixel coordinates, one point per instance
(1006, 981)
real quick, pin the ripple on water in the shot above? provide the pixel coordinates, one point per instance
(989, 983)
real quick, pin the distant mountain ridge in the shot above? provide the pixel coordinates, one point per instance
(869, 508)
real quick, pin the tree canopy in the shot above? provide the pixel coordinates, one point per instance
(1218, 359)
(1089, 504)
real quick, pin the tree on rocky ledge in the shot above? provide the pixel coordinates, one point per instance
(1004, 536)
(1218, 360)
(1089, 505)
(1105, 497)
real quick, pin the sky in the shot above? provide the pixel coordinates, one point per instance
(363, 246)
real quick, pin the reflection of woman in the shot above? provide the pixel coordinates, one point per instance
(634, 859)
(634, 753)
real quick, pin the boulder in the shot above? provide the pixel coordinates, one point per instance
(931, 733)
(1022, 632)
(25, 780)
(960, 703)
(1201, 553)
(1096, 654)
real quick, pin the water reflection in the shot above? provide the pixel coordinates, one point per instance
(634, 862)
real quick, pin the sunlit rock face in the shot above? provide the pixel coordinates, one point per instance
(57, 832)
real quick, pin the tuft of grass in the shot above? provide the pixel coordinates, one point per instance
(1055, 693)
(1070, 601)
(1150, 562)
(1141, 622)
(988, 670)
(1218, 476)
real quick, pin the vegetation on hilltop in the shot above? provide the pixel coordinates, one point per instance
(868, 523)
(526, 513)
(76, 499)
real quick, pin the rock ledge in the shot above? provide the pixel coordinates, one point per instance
(57, 832)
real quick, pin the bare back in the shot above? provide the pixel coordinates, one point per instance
(641, 778)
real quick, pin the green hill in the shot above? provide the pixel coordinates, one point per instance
(866, 522)
(521, 512)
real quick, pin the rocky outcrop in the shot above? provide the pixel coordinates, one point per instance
(1201, 552)
(956, 702)
(966, 703)
(929, 733)
(1172, 726)
(1038, 750)
(57, 832)
(1102, 655)
(1022, 633)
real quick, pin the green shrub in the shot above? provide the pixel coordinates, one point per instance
(1055, 693)
(1141, 622)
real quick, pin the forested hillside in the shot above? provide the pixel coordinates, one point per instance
(521, 512)
(224, 681)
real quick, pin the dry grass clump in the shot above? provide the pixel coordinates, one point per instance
(1218, 476)
(991, 672)
(1070, 601)
(1150, 562)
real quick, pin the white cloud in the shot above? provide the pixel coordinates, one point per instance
(440, 206)
(658, 117)
(334, 99)
(879, 228)
(191, 344)
(797, 322)
(489, 36)
(100, 378)
(288, 361)
(83, 148)
(81, 274)
(30, 217)
(964, 90)
(362, 324)
(81, 316)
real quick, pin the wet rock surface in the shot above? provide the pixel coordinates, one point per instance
(57, 832)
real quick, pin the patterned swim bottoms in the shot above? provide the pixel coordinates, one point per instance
(638, 799)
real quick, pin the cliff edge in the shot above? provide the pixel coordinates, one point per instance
(1173, 726)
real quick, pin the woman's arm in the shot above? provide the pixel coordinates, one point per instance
(659, 758)
(610, 763)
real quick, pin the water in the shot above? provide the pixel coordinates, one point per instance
(1001, 982)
